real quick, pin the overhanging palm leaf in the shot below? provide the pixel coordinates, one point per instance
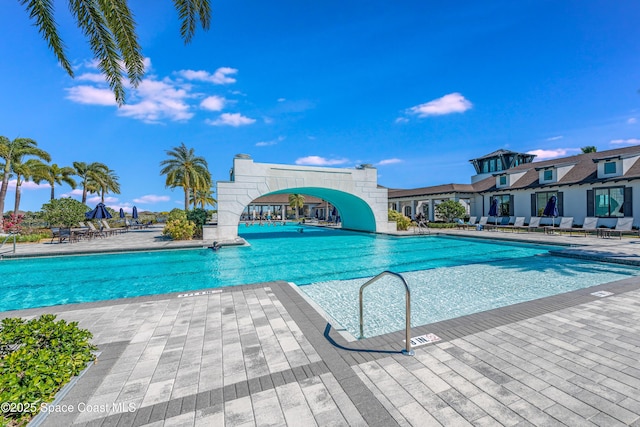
(111, 30)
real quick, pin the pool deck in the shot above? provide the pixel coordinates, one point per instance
(261, 355)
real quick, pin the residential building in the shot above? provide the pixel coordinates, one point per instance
(600, 184)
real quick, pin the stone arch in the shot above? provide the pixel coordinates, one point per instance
(355, 193)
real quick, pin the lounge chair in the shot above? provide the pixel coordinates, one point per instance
(465, 225)
(518, 223)
(107, 229)
(482, 223)
(566, 224)
(623, 224)
(590, 224)
(94, 231)
(534, 223)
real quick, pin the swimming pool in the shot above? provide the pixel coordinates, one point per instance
(276, 253)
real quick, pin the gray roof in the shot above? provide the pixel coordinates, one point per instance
(584, 171)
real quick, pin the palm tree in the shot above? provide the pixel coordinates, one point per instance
(11, 151)
(104, 182)
(185, 169)
(89, 173)
(111, 30)
(296, 201)
(32, 169)
(202, 197)
(55, 174)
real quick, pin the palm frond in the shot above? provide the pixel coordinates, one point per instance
(123, 27)
(42, 12)
(94, 25)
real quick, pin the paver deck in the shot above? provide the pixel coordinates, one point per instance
(261, 355)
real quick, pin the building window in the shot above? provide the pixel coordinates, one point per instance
(503, 180)
(548, 175)
(504, 204)
(407, 211)
(543, 198)
(609, 201)
(610, 167)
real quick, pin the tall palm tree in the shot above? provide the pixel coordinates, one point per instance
(296, 201)
(86, 173)
(104, 182)
(203, 197)
(55, 174)
(9, 152)
(111, 30)
(185, 169)
(31, 169)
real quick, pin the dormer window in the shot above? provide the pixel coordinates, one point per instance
(503, 180)
(610, 168)
(548, 175)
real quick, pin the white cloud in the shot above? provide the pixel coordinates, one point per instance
(230, 119)
(213, 103)
(269, 143)
(92, 77)
(27, 185)
(629, 141)
(282, 99)
(632, 120)
(555, 138)
(553, 153)
(389, 161)
(402, 120)
(158, 100)
(448, 104)
(219, 77)
(151, 198)
(320, 161)
(91, 95)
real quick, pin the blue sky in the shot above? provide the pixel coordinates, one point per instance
(416, 88)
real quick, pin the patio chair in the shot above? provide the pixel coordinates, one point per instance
(55, 233)
(623, 224)
(566, 224)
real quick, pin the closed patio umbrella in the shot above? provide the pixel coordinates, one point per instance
(121, 213)
(493, 209)
(100, 212)
(134, 213)
(551, 210)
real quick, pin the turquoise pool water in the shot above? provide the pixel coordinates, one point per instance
(314, 255)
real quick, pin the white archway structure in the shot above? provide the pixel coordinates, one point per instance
(355, 193)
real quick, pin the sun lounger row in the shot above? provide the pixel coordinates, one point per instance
(589, 226)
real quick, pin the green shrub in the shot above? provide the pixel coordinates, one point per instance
(179, 229)
(177, 214)
(442, 225)
(450, 209)
(64, 212)
(38, 357)
(30, 238)
(402, 221)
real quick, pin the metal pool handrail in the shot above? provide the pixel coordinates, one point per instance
(407, 351)
(7, 238)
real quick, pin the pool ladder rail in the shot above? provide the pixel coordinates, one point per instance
(8, 236)
(407, 350)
